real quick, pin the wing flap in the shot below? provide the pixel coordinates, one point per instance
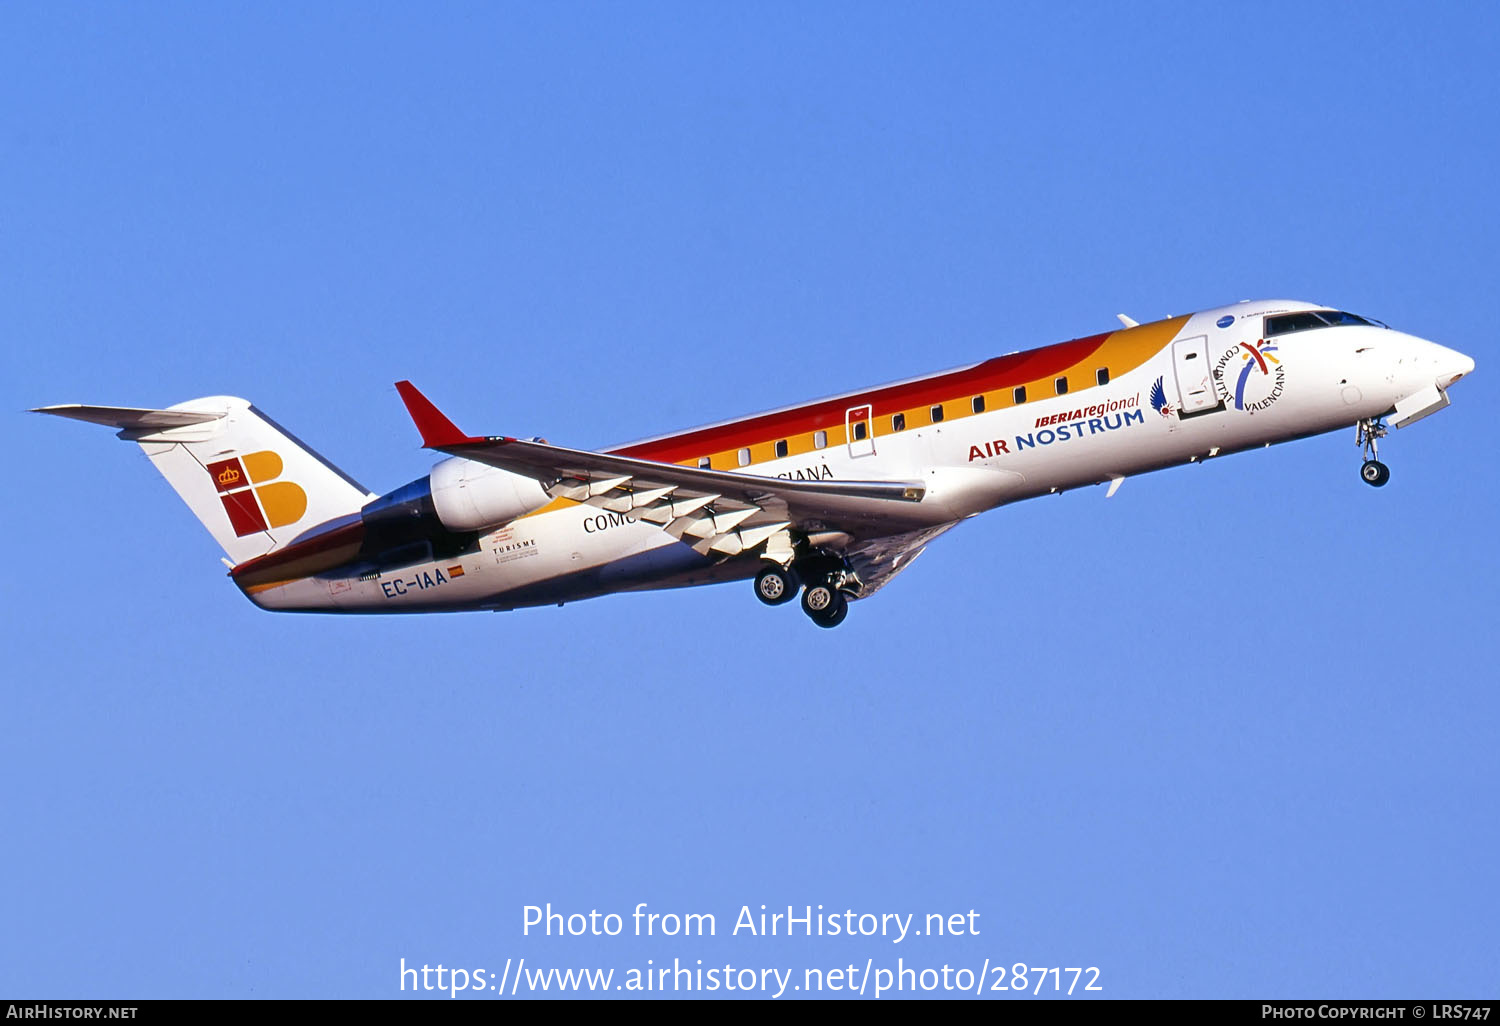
(712, 510)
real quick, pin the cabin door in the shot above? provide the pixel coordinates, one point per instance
(859, 430)
(1195, 381)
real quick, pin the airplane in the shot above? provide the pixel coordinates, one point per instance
(830, 499)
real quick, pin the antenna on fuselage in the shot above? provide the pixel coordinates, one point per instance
(1128, 322)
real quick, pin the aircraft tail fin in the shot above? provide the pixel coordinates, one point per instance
(252, 483)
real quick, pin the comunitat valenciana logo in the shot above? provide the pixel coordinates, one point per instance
(253, 497)
(1249, 376)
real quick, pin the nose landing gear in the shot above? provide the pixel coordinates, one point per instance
(1367, 436)
(1373, 472)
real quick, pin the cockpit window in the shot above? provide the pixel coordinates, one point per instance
(1339, 317)
(1285, 324)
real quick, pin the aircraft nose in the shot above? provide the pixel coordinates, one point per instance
(1452, 365)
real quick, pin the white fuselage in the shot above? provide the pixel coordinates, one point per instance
(1194, 399)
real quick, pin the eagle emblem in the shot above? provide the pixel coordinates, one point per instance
(1159, 397)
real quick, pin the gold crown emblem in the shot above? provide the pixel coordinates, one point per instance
(228, 475)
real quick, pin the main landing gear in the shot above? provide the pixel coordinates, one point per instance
(824, 604)
(825, 599)
(1367, 436)
(776, 584)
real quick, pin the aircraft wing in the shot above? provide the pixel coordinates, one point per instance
(878, 560)
(713, 510)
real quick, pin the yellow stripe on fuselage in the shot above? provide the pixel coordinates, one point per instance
(1122, 352)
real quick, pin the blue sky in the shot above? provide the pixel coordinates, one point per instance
(1229, 733)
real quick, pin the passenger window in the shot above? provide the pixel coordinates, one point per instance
(744, 457)
(820, 439)
(1062, 386)
(1019, 394)
(977, 404)
(861, 429)
(937, 413)
(704, 462)
(781, 448)
(898, 422)
(1102, 375)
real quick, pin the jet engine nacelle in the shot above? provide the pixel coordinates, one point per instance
(470, 496)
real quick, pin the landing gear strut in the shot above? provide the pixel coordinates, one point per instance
(1367, 436)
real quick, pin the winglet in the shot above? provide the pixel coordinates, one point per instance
(437, 430)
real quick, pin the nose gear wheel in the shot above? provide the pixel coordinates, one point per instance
(1367, 436)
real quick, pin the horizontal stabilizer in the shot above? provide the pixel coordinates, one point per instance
(253, 485)
(128, 417)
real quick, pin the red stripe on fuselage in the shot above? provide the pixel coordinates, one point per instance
(303, 558)
(991, 375)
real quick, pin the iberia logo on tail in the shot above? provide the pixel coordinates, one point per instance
(253, 497)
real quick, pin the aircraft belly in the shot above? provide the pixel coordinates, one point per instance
(646, 568)
(569, 554)
(302, 595)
